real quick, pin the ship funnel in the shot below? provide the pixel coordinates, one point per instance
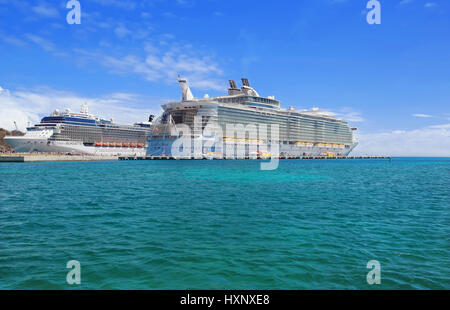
(247, 89)
(233, 90)
(245, 82)
(186, 91)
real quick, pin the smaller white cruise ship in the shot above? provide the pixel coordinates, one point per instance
(83, 133)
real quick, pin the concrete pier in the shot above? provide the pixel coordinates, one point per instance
(43, 157)
(252, 158)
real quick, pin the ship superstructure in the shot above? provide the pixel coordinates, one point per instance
(300, 133)
(83, 133)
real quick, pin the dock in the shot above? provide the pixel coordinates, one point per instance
(252, 158)
(43, 157)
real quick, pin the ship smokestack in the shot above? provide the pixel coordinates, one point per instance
(247, 89)
(245, 82)
(186, 91)
(233, 90)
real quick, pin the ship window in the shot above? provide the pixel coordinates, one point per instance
(178, 119)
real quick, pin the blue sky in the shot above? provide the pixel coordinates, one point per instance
(392, 80)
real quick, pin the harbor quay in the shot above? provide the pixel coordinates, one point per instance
(251, 157)
(52, 157)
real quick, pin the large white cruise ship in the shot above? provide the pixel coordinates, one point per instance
(298, 133)
(82, 133)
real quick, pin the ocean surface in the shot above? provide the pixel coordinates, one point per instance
(226, 224)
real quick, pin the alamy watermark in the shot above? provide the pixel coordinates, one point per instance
(74, 275)
(74, 15)
(374, 15)
(374, 275)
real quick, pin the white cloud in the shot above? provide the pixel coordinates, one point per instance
(121, 31)
(163, 65)
(430, 5)
(403, 2)
(347, 114)
(422, 115)
(12, 40)
(31, 105)
(427, 141)
(46, 10)
(338, 1)
(443, 126)
(122, 4)
(43, 43)
(169, 15)
(352, 117)
(155, 63)
(185, 3)
(141, 51)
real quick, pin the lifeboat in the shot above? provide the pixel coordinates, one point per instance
(104, 144)
(140, 145)
(98, 144)
(125, 145)
(132, 145)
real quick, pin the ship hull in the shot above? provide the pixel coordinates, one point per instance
(27, 145)
(165, 146)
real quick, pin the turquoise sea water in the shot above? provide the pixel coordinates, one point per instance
(226, 224)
